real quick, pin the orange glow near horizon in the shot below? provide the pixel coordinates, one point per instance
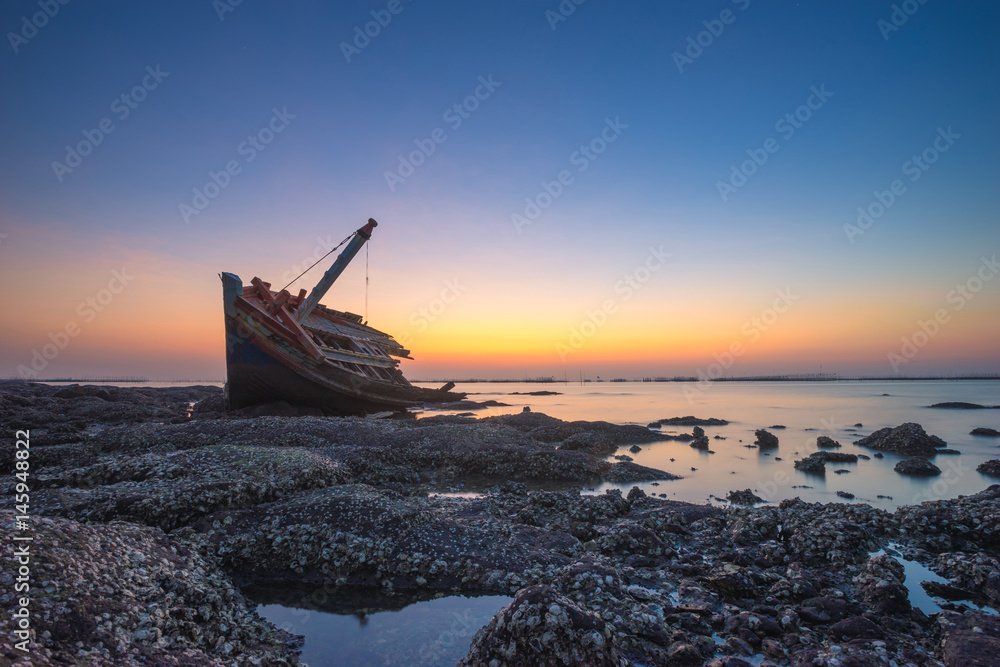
(167, 323)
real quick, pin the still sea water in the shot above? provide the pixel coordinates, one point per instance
(845, 411)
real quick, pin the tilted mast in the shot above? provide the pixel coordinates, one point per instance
(360, 238)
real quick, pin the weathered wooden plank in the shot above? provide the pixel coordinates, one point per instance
(263, 290)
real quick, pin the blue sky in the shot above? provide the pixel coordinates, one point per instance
(657, 183)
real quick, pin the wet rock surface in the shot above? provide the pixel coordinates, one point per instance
(765, 440)
(150, 528)
(700, 439)
(960, 405)
(967, 524)
(744, 497)
(121, 594)
(982, 430)
(690, 421)
(541, 627)
(971, 640)
(815, 463)
(542, 428)
(907, 439)
(991, 468)
(917, 467)
(466, 405)
(62, 414)
(811, 465)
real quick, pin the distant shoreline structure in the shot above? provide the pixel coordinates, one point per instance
(806, 377)
(125, 379)
(101, 379)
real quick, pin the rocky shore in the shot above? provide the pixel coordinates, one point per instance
(151, 510)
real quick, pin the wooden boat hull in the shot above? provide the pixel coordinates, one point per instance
(262, 367)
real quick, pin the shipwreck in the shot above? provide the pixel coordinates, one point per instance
(291, 348)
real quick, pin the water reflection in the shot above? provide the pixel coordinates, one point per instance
(366, 627)
(916, 574)
(845, 411)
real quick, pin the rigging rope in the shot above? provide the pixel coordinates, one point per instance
(367, 246)
(319, 260)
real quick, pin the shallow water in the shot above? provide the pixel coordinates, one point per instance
(807, 409)
(914, 574)
(360, 631)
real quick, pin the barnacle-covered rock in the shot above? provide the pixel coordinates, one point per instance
(121, 594)
(541, 627)
(967, 523)
(881, 585)
(765, 440)
(909, 439)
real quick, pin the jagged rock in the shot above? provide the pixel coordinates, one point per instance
(593, 443)
(58, 415)
(466, 405)
(119, 590)
(972, 641)
(765, 440)
(541, 627)
(831, 534)
(917, 467)
(827, 442)
(811, 465)
(967, 523)
(822, 610)
(626, 471)
(959, 405)
(836, 457)
(856, 627)
(881, 585)
(982, 430)
(947, 591)
(210, 404)
(991, 468)
(544, 428)
(76, 391)
(744, 497)
(690, 421)
(733, 582)
(684, 655)
(907, 439)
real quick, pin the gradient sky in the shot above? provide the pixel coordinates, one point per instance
(517, 295)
